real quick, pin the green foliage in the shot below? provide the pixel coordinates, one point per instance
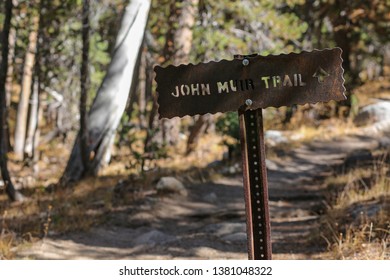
(242, 27)
(229, 125)
(100, 58)
(225, 28)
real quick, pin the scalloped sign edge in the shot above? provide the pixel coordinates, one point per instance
(268, 81)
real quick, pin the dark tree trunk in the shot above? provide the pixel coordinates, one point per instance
(152, 122)
(151, 131)
(10, 72)
(177, 49)
(142, 88)
(342, 38)
(169, 130)
(196, 132)
(9, 187)
(84, 82)
(184, 16)
(290, 111)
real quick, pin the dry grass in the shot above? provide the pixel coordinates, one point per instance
(209, 149)
(326, 131)
(360, 243)
(357, 225)
(6, 245)
(373, 89)
(65, 210)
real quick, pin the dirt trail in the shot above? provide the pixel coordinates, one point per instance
(209, 223)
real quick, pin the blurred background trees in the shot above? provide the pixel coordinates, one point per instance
(45, 47)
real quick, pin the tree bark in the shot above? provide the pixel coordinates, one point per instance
(111, 98)
(195, 133)
(341, 37)
(183, 35)
(9, 187)
(142, 88)
(9, 80)
(22, 113)
(10, 71)
(177, 49)
(84, 82)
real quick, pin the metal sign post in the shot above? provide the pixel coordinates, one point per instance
(255, 178)
(255, 185)
(247, 84)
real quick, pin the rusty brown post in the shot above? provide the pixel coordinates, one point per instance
(255, 185)
(255, 180)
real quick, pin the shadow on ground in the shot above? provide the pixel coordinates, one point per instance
(209, 223)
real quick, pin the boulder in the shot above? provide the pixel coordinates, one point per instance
(170, 185)
(373, 113)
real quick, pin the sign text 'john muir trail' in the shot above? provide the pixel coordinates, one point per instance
(269, 81)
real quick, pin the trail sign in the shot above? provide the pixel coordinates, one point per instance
(247, 84)
(281, 80)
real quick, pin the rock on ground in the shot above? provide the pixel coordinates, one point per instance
(374, 113)
(171, 185)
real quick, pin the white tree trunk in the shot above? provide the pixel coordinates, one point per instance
(32, 122)
(22, 115)
(111, 98)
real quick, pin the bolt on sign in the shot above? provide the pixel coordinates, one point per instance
(247, 84)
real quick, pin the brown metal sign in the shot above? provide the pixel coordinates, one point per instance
(267, 81)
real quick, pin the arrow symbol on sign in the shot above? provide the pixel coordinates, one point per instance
(321, 74)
